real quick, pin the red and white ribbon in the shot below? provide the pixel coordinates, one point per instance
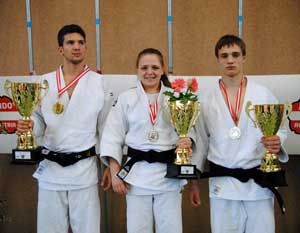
(234, 114)
(75, 80)
(153, 109)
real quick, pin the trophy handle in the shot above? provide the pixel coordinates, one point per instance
(248, 110)
(45, 86)
(7, 86)
(287, 112)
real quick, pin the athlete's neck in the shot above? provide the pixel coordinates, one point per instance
(70, 71)
(152, 89)
(232, 82)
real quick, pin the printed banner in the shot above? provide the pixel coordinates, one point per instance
(285, 87)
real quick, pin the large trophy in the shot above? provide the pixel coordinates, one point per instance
(269, 118)
(26, 97)
(183, 111)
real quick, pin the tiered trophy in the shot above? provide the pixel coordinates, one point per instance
(269, 118)
(26, 97)
(183, 116)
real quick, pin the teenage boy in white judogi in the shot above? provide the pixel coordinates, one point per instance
(228, 138)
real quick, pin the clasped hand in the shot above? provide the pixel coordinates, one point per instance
(272, 143)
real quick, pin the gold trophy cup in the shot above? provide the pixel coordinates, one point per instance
(183, 116)
(26, 97)
(269, 118)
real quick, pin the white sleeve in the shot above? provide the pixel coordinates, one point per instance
(192, 133)
(114, 133)
(108, 101)
(200, 149)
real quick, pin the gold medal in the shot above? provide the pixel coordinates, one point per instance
(58, 108)
(153, 136)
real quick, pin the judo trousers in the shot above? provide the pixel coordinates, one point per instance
(160, 210)
(78, 209)
(231, 216)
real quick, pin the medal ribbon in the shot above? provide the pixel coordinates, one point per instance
(153, 111)
(64, 89)
(234, 114)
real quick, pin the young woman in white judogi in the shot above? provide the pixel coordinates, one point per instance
(151, 198)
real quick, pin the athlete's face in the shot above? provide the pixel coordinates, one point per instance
(149, 71)
(74, 48)
(231, 60)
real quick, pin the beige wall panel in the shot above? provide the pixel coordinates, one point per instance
(197, 25)
(13, 38)
(272, 32)
(116, 212)
(48, 17)
(127, 27)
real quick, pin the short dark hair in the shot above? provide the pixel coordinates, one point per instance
(164, 78)
(230, 40)
(71, 28)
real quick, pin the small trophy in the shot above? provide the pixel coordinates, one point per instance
(183, 116)
(26, 97)
(269, 118)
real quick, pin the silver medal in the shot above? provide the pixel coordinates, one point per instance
(235, 133)
(153, 136)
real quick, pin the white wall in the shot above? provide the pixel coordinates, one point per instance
(285, 87)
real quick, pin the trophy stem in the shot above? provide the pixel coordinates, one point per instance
(26, 140)
(270, 163)
(182, 156)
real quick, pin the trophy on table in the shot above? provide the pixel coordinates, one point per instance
(26, 96)
(269, 118)
(183, 111)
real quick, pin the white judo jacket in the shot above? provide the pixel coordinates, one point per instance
(128, 124)
(76, 129)
(214, 143)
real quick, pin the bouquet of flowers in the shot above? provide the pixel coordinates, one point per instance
(183, 91)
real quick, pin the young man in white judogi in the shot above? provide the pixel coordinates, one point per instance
(70, 121)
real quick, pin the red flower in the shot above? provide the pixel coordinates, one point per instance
(193, 85)
(183, 90)
(178, 84)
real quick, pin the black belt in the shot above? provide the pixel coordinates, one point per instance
(244, 175)
(150, 156)
(67, 159)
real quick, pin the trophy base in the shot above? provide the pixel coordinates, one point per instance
(275, 179)
(181, 171)
(26, 156)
